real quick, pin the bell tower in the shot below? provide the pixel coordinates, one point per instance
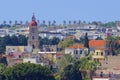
(33, 34)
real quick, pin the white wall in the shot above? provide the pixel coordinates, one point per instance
(31, 60)
(100, 78)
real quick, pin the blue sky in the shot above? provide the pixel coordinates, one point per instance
(59, 10)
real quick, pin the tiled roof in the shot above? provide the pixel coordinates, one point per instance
(58, 54)
(77, 46)
(119, 41)
(97, 43)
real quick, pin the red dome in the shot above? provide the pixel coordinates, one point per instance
(33, 23)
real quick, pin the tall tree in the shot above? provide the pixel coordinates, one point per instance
(16, 22)
(86, 41)
(66, 42)
(74, 22)
(21, 22)
(10, 22)
(87, 66)
(64, 22)
(38, 21)
(71, 73)
(79, 22)
(4, 22)
(43, 21)
(54, 22)
(69, 22)
(49, 23)
(55, 41)
(112, 44)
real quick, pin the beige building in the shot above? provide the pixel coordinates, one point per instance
(33, 34)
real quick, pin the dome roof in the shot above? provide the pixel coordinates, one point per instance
(33, 23)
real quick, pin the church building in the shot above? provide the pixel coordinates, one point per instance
(33, 38)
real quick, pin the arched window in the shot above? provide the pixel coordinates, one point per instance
(101, 53)
(97, 53)
(33, 37)
(33, 46)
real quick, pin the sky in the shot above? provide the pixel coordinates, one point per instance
(59, 10)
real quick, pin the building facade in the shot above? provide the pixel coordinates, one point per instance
(33, 34)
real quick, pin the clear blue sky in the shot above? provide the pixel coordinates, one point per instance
(59, 10)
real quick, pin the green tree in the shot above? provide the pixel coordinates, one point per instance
(66, 43)
(22, 40)
(14, 40)
(55, 41)
(64, 61)
(28, 71)
(86, 41)
(69, 68)
(2, 45)
(71, 73)
(2, 67)
(112, 44)
(87, 66)
(7, 40)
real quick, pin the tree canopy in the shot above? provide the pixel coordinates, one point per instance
(66, 42)
(113, 44)
(27, 71)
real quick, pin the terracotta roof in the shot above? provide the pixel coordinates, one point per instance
(60, 54)
(97, 43)
(100, 77)
(77, 46)
(33, 24)
(119, 41)
(103, 48)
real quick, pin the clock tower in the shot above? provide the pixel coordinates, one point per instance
(33, 34)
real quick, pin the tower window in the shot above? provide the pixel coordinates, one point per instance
(33, 37)
(33, 46)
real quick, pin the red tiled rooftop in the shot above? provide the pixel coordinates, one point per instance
(60, 54)
(77, 46)
(97, 43)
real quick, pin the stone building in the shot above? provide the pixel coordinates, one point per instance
(33, 34)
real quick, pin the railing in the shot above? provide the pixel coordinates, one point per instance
(111, 76)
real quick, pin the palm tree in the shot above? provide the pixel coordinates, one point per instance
(10, 22)
(79, 22)
(54, 22)
(38, 22)
(21, 22)
(64, 22)
(43, 21)
(15, 22)
(69, 22)
(2, 67)
(74, 22)
(26, 23)
(87, 66)
(49, 23)
(4, 22)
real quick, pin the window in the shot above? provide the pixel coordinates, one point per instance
(32, 30)
(101, 53)
(97, 53)
(80, 51)
(76, 51)
(33, 37)
(29, 61)
(33, 46)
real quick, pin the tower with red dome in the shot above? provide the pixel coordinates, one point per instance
(33, 34)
